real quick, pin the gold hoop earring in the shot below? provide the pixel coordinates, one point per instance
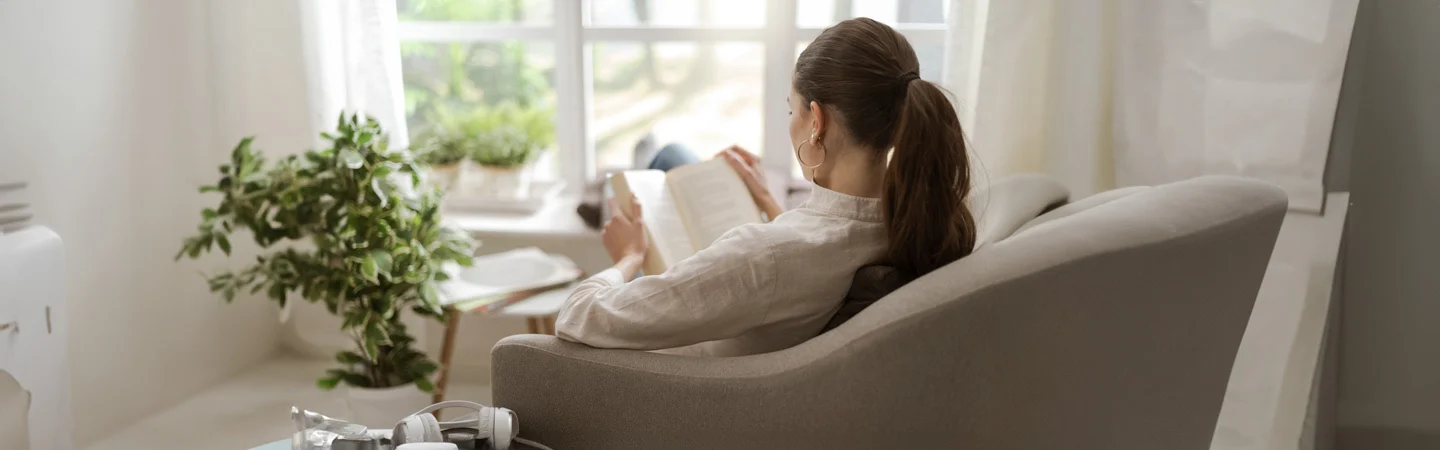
(812, 143)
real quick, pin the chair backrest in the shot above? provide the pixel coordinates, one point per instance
(1010, 202)
(1113, 328)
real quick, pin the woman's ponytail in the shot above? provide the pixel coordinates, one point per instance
(928, 222)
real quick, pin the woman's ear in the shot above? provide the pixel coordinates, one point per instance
(818, 119)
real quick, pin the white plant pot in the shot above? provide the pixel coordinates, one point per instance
(445, 176)
(383, 408)
(494, 182)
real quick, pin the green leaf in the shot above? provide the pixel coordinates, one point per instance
(383, 261)
(351, 159)
(184, 249)
(327, 383)
(352, 321)
(204, 189)
(369, 269)
(376, 333)
(349, 358)
(374, 337)
(357, 380)
(224, 243)
(379, 192)
(424, 385)
(372, 347)
(276, 292)
(425, 367)
(428, 293)
(414, 276)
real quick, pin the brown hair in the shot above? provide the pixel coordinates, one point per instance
(867, 75)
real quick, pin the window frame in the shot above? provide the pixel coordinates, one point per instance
(572, 40)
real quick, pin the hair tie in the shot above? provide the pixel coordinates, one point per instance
(907, 77)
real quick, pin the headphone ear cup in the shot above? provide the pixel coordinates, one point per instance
(503, 428)
(417, 428)
(431, 427)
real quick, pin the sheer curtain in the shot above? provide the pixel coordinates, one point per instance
(1100, 93)
(351, 61)
(352, 58)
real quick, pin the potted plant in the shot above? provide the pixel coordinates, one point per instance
(443, 158)
(499, 143)
(360, 231)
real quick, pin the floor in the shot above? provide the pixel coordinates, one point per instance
(246, 411)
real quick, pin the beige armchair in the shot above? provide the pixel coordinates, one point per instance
(1110, 328)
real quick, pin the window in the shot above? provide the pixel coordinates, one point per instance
(703, 73)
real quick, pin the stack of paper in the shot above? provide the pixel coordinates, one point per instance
(496, 280)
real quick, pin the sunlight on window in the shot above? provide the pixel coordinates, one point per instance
(677, 13)
(824, 13)
(528, 12)
(704, 96)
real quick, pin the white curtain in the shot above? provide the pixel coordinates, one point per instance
(352, 59)
(1100, 93)
(352, 64)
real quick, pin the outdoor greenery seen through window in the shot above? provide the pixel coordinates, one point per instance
(502, 89)
(704, 95)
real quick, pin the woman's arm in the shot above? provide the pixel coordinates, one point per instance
(719, 293)
(748, 166)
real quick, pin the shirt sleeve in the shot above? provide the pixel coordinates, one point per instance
(719, 293)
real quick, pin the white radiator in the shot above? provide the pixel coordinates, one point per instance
(33, 335)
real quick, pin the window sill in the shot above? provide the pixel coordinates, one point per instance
(556, 220)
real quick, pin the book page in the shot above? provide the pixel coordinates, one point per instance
(712, 199)
(669, 241)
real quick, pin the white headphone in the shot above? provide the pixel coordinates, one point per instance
(496, 427)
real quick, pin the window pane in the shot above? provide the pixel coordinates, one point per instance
(527, 12)
(824, 13)
(508, 82)
(677, 13)
(703, 96)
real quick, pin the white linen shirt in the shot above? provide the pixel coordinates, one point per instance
(757, 289)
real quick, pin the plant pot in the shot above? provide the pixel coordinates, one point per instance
(445, 176)
(382, 408)
(495, 182)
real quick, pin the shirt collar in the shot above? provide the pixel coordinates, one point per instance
(843, 205)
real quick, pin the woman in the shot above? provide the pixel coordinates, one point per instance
(764, 287)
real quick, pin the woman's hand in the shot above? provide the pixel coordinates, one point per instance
(748, 166)
(624, 233)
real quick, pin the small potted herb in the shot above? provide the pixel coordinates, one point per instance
(499, 144)
(443, 158)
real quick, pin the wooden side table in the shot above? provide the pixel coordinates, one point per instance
(539, 308)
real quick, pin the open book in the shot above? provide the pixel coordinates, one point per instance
(687, 208)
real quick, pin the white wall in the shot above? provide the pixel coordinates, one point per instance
(1389, 385)
(108, 108)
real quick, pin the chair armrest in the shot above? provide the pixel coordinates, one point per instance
(569, 396)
